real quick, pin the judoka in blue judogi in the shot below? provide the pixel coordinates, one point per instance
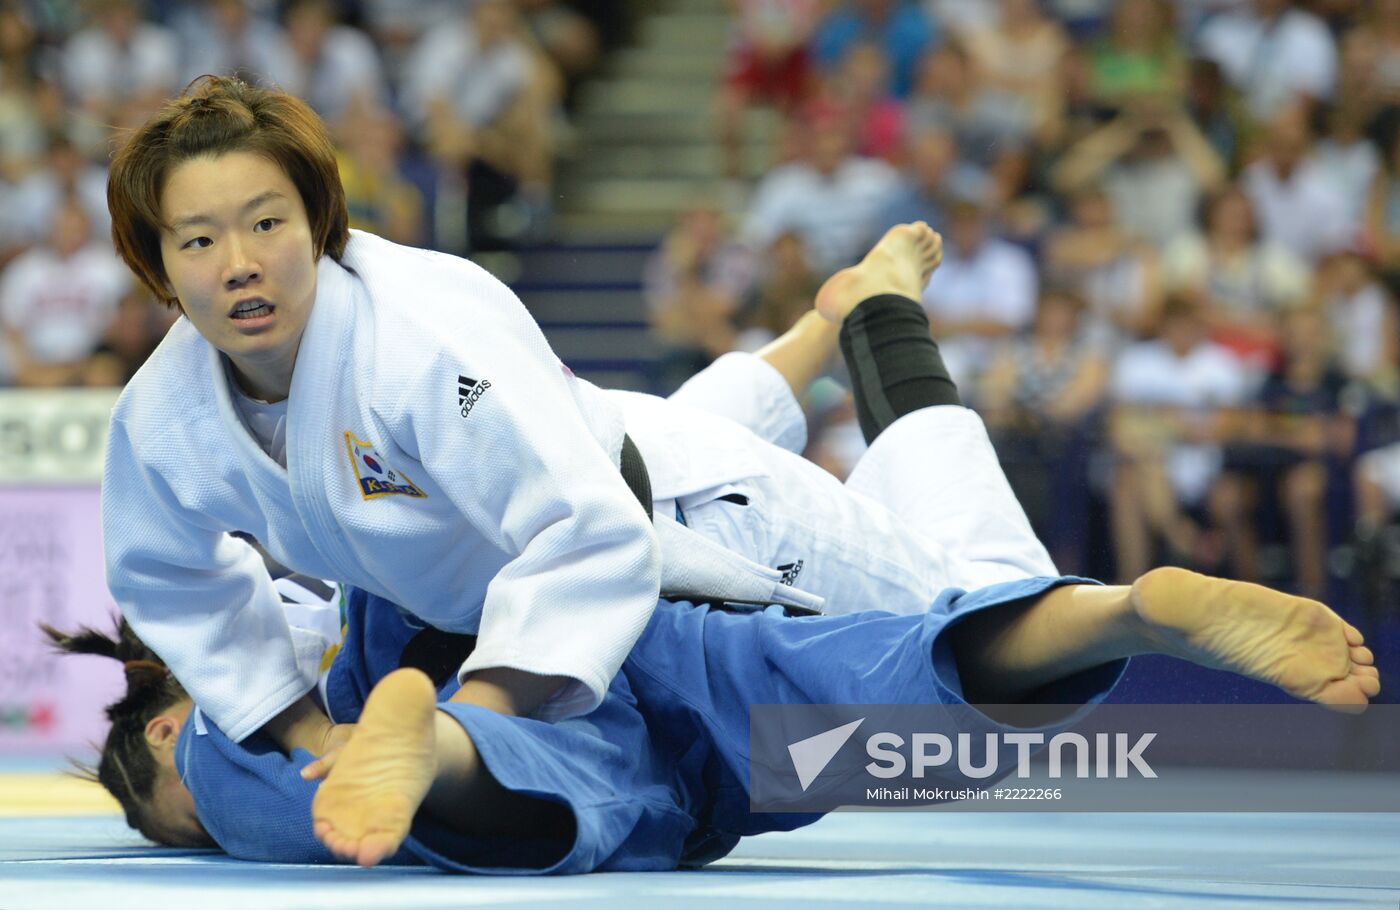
(657, 776)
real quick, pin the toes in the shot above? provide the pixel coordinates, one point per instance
(1363, 656)
(376, 847)
(1370, 685)
(1346, 695)
(1354, 636)
(340, 846)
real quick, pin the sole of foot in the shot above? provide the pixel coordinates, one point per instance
(364, 809)
(1296, 644)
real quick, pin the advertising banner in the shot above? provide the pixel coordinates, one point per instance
(51, 570)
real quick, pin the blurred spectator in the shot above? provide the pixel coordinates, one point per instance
(693, 286)
(933, 178)
(483, 106)
(1211, 106)
(58, 300)
(1081, 113)
(785, 289)
(328, 65)
(1084, 18)
(829, 198)
(1274, 52)
(572, 42)
(1139, 57)
(1021, 55)
(1349, 159)
(858, 94)
(227, 37)
(379, 197)
(767, 63)
(1282, 441)
(984, 291)
(1371, 58)
(1365, 332)
(136, 330)
(469, 70)
(898, 26)
(1167, 396)
(21, 131)
(66, 174)
(1383, 214)
(1038, 398)
(1243, 283)
(1154, 164)
(1021, 196)
(1114, 272)
(962, 17)
(986, 122)
(1298, 206)
(1376, 484)
(121, 63)
(397, 25)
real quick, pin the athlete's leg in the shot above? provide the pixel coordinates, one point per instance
(927, 508)
(894, 362)
(405, 756)
(1035, 639)
(892, 358)
(1296, 644)
(1061, 643)
(930, 460)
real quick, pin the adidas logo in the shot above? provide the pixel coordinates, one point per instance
(790, 572)
(469, 392)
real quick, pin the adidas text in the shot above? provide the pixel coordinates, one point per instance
(469, 392)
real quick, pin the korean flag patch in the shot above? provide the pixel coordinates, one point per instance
(373, 473)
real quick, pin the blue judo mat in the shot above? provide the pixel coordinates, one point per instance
(1081, 861)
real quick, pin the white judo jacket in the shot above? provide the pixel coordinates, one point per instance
(438, 455)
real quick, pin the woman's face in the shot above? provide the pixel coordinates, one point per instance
(239, 256)
(171, 810)
(1232, 216)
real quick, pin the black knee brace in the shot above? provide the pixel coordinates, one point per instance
(894, 362)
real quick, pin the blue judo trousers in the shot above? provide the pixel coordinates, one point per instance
(657, 776)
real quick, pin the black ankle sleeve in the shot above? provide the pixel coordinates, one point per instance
(894, 362)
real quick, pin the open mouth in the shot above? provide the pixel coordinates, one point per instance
(252, 309)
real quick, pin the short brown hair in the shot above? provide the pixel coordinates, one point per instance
(213, 116)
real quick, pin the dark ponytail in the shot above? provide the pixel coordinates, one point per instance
(127, 769)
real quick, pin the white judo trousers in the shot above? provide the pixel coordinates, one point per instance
(926, 508)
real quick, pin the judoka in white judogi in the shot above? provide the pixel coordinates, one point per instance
(437, 454)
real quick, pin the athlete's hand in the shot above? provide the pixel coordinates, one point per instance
(332, 741)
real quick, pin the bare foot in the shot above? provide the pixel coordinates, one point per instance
(363, 810)
(1296, 644)
(900, 263)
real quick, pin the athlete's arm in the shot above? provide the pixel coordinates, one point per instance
(508, 691)
(303, 725)
(526, 471)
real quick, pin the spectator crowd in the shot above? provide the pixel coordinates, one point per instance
(1172, 227)
(446, 115)
(1172, 247)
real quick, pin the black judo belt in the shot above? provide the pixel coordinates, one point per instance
(437, 653)
(634, 474)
